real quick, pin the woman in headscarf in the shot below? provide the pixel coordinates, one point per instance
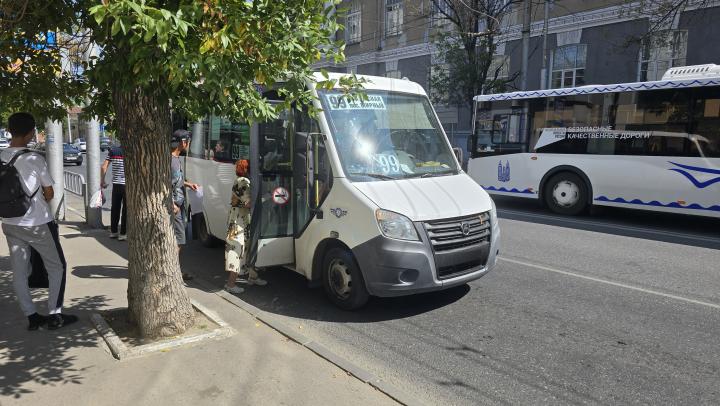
(237, 242)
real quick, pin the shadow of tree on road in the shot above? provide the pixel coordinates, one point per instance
(32, 358)
(101, 272)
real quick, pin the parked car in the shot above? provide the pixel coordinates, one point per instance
(4, 143)
(105, 143)
(80, 145)
(72, 155)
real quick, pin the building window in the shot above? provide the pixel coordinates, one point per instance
(353, 23)
(568, 68)
(393, 17)
(661, 52)
(395, 74)
(500, 64)
(439, 14)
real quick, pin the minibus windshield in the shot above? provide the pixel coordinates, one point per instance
(388, 136)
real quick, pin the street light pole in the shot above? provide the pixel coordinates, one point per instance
(54, 158)
(525, 44)
(543, 72)
(92, 144)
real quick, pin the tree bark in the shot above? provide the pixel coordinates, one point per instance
(157, 300)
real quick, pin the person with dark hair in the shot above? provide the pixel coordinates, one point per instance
(116, 160)
(237, 241)
(25, 190)
(179, 144)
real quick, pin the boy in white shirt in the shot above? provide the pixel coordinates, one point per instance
(35, 228)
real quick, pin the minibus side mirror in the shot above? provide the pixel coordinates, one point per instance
(458, 154)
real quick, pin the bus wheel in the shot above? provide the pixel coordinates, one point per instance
(206, 239)
(343, 281)
(566, 193)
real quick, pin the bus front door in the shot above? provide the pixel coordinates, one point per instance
(271, 168)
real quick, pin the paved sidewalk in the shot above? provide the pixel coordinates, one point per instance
(72, 366)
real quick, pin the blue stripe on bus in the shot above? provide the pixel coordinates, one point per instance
(513, 190)
(655, 203)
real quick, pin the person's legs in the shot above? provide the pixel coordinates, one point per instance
(48, 246)
(123, 219)
(178, 223)
(115, 209)
(20, 261)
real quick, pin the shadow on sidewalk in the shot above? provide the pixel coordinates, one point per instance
(101, 272)
(32, 358)
(287, 292)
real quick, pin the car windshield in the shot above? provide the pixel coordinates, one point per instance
(69, 148)
(389, 136)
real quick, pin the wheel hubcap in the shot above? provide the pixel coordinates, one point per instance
(566, 193)
(340, 279)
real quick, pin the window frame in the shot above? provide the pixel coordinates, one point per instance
(652, 53)
(355, 15)
(395, 7)
(574, 72)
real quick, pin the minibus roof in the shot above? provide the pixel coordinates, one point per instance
(711, 78)
(379, 83)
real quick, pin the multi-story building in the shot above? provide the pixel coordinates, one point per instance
(587, 42)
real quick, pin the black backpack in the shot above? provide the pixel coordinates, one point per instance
(14, 202)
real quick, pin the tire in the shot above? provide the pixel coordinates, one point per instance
(343, 281)
(206, 239)
(566, 193)
(78, 163)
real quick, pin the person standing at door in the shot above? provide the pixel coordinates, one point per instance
(27, 188)
(237, 242)
(118, 208)
(179, 145)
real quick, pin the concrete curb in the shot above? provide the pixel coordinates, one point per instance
(121, 352)
(273, 322)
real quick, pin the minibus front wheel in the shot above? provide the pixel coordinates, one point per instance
(343, 281)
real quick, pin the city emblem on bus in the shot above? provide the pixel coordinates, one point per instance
(338, 212)
(504, 171)
(465, 227)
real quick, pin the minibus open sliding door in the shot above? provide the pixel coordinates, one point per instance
(271, 168)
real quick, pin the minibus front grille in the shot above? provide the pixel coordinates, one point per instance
(459, 232)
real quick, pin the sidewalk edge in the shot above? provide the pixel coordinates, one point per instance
(317, 348)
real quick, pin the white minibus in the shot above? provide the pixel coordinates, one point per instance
(647, 145)
(366, 199)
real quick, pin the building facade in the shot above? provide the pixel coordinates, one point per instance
(587, 42)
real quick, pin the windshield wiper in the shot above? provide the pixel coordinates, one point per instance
(373, 175)
(429, 174)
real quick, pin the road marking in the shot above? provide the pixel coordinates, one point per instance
(618, 284)
(611, 225)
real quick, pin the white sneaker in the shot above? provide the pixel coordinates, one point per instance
(122, 237)
(114, 235)
(256, 281)
(235, 289)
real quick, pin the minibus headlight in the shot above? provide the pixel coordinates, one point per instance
(394, 225)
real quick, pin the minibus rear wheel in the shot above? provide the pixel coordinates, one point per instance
(342, 280)
(566, 193)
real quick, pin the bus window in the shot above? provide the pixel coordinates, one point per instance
(198, 145)
(228, 141)
(706, 122)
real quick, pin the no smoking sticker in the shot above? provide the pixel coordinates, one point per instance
(280, 196)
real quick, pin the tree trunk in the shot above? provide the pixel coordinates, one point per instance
(157, 300)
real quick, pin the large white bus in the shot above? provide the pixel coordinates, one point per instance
(366, 199)
(647, 145)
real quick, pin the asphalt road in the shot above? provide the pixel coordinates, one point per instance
(621, 307)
